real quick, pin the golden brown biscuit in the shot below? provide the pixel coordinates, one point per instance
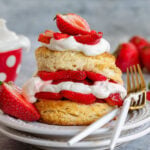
(48, 60)
(70, 113)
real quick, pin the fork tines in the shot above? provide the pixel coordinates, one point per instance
(136, 84)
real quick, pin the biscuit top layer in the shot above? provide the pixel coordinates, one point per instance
(49, 60)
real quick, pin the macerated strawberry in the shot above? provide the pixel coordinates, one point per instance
(139, 42)
(114, 99)
(59, 36)
(58, 75)
(89, 39)
(100, 101)
(14, 104)
(95, 76)
(145, 57)
(79, 97)
(128, 56)
(44, 38)
(72, 24)
(48, 95)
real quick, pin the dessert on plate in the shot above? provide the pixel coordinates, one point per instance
(77, 80)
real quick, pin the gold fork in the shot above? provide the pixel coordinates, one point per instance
(138, 85)
(136, 99)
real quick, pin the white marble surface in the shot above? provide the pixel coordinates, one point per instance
(118, 19)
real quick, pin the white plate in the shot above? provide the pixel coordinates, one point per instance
(135, 119)
(47, 143)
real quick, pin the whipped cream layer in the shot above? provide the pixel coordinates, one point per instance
(71, 44)
(10, 40)
(101, 89)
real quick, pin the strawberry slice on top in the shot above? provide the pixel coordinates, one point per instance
(72, 24)
(14, 104)
(89, 39)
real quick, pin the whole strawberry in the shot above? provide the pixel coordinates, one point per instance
(145, 56)
(127, 56)
(139, 42)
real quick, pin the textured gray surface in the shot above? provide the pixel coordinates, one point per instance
(118, 19)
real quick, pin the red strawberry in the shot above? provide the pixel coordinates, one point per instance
(139, 42)
(46, 36)
(73, 75)
(100, 100)
(145, 57)
(95, 76)
(14, 104)
(79, 97)
(90, 39)
(114, 99)
(128, 56)
(48, 95)
(148, 95)
(59, 36)
(72, 24)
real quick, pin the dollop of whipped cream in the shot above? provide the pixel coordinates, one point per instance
(10, 40)
(71, 44)
(101, 89)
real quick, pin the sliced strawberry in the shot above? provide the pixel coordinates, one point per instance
(72, 24)
(44, 38)
(49, 33)
(114, 99)
(14, 104)
(79, 97)
(100, 101)
(59, 36)
(89, 39)
(73, 75)
(148, 95)
(95, 76)
(48, 95)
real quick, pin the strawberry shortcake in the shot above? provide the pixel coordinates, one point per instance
(77, 80)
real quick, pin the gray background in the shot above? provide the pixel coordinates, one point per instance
(118, 19)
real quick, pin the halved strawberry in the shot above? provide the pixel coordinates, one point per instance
(79, 97)
(90, 39)
(59, 36)
(69, 74)
(114, 99)
(14, 104)
(72, 24)
(95, 76)
(48, 95)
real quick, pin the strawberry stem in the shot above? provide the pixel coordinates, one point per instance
(1, 82)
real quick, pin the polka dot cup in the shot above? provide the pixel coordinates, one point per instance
(10, 63)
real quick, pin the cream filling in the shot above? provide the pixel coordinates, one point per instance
(72, 45)
(101, 89)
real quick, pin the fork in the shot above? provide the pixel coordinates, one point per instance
(136, 99)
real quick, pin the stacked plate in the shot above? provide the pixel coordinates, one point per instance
(55, 137)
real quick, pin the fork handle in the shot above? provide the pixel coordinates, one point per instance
(120, 122)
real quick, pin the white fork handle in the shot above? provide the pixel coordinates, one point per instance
(120, 122)
(94, 126)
